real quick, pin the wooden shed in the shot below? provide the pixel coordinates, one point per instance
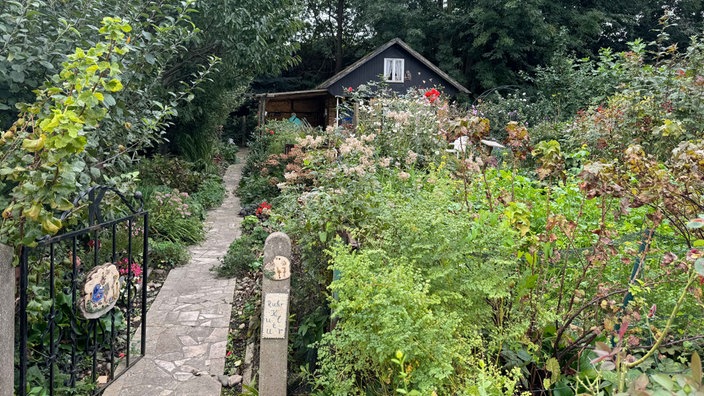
(395, 62)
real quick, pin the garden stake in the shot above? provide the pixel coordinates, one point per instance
(644, 247)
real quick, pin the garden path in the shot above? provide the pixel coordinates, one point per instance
(188, 322)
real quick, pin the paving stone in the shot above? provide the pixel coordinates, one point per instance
(217, 334)
(196, 350)
(217, 365)
(218, 350)
(166, 365)
(188, 316)
(187, 341)
(182, 376)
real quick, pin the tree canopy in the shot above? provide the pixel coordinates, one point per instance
(483, 43)
(87, 86)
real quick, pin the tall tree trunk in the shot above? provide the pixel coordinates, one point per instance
(340, 14)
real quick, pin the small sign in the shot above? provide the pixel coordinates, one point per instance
(278, 269)
(275, 316)
(100, 291)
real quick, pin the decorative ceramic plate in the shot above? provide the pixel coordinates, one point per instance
(100, 291)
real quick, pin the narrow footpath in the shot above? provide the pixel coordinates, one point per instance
(188, 322)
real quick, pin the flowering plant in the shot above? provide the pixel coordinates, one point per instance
(264, 209)
(124, 267)
(175, 215)
(432, 95)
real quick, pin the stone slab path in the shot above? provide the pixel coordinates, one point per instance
(188, 322)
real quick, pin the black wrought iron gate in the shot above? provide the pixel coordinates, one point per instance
(82, 295)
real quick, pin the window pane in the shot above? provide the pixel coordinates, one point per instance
(398, 70)
(393, 69)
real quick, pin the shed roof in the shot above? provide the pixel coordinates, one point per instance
(397, 41)
(309, 93)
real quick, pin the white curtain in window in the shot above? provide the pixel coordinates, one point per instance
(398, 70)
(393, 69)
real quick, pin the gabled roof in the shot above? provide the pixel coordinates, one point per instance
(397, 41)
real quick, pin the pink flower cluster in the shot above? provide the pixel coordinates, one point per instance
(124, 268)
(174, 200)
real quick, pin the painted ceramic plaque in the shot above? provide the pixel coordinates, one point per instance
(100, 291)
(278, 269)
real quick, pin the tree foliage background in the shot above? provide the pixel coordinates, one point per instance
(482, 43)
(171, 43)
(177, 78)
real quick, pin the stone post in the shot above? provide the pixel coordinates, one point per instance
(7, 321)
(276, 286)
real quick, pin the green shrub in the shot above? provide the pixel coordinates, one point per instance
(243, 257)
(210, 193)
(255, 189)
(272, 139)
(169, 171)
(228, 152)
(244, 254)
(167, 254)
(175, 216)
(385, 309)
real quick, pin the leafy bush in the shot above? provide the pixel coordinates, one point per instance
(533, 263)
(166, 254)
(255, 188)
(175, 216)
(272, 139)
(172, 172)
(211, 192)
(244, 254)
(228, 152)
(242, 257)
(384, 305)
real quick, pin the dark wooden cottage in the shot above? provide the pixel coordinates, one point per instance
(395, 62)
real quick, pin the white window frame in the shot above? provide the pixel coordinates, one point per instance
(394, 70)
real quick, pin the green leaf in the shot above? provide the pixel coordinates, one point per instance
(699, 266)
(113, 85)
(108, 100)
(530, 258)
(697, 366)
(553, 366)
(323, 236)
(530, 281)
(150, 59)
(547, 383)
(664, 380)
(63, 204)
(17, 76)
